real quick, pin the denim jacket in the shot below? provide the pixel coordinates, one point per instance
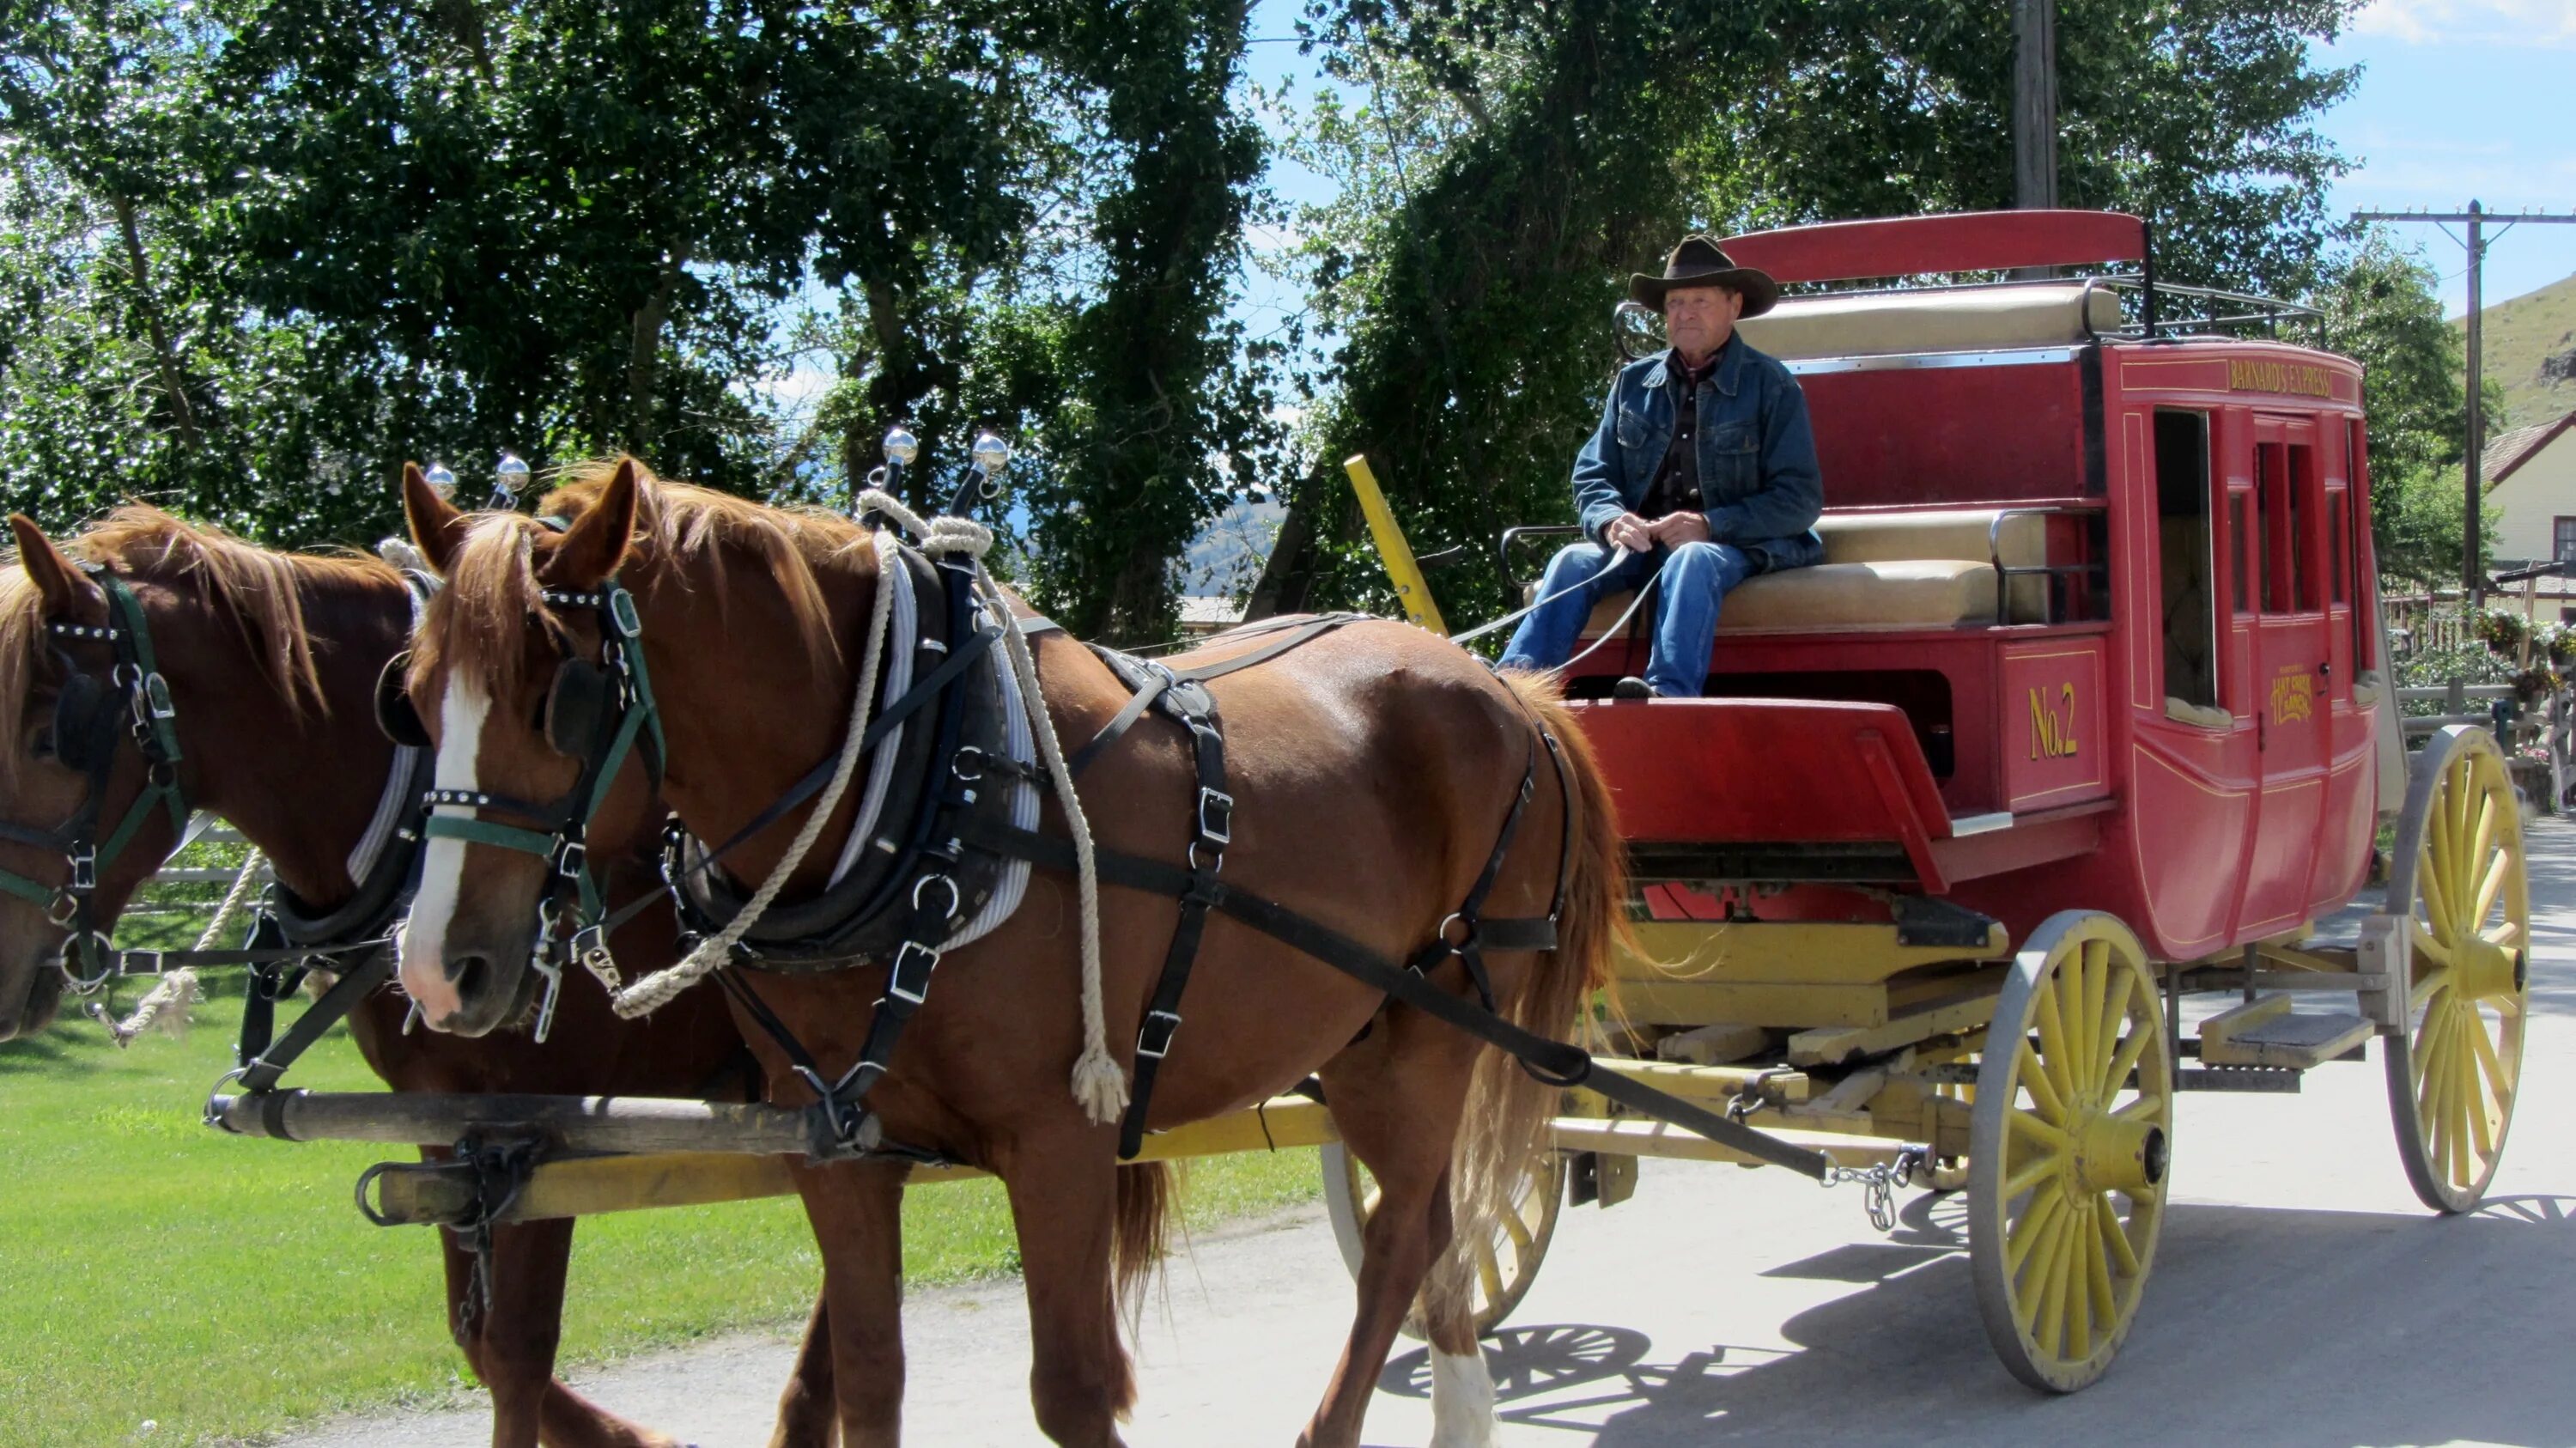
(1757, 458)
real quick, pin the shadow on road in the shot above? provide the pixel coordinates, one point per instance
(2347, 1311)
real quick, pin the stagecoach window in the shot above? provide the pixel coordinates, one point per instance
(2365, 624)
(2283, 476)
(2182, 510)
(2240, 536)
(2339, 543)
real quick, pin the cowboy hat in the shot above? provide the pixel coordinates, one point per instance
(1698, 262)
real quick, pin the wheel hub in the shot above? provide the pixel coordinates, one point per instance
(2112, 1155)
(2487, 971)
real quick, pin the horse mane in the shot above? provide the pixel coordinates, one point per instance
(682, 533)
(263, 591)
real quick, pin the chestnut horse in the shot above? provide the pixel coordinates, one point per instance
(271, 661)
(1374, 770)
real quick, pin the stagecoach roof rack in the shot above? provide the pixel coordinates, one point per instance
(2012, 249)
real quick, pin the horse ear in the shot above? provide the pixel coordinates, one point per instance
(597, 540)
(437, 525)
(69, 594)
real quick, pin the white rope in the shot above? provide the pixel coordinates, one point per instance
(716, 951)
(178, 990)
(1098, 1083)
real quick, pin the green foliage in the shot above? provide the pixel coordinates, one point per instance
(1506, 165)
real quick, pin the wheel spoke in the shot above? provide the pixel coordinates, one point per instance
(2031, 1285)
(2048, 1138)
(2481, 844)
(2473, 1097)
(2491, 885)
(2097, 1267)
(2490, 1065)
(2037, 1220)
(2106, 1032)
(2030, 1173)
(2053, 1045)
(1518, 1229)
(2091, 987)
(2143, 1109)
(1490, 1273)
(2125, 1060)
(2115, 1235)
(2081, 1254)
(2052, 1289)
(2433, 1097)
(2043, 1094)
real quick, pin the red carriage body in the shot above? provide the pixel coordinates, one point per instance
(2096, 623)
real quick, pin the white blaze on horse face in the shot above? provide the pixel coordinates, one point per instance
(1462, 1401)
(442, 867)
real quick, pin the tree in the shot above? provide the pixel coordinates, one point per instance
(1597, 132)
(2383, 311)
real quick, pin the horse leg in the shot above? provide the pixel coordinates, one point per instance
(1063, 1196)
(807, 1415)
(1462, 1386)
(510, 1342)
(1398, 1113)
(856, 1209)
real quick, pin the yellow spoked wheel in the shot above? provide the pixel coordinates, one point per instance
(2067, 1151)
(1506, 1264)
(2457, 871)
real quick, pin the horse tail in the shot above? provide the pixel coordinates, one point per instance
(1507, 1116)
(1141, 1229)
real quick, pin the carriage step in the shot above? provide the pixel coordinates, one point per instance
(2268, 1033)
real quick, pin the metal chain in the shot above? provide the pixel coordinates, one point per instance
(1878, 1182)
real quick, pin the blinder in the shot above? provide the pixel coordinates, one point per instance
(578, 706)
(83, 732)
(395, 713)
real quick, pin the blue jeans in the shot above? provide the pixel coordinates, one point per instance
(1695, 577)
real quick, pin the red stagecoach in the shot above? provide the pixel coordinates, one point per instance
(2084, 710)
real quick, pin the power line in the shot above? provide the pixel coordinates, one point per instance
(2476, 218)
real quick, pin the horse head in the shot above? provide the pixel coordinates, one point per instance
(99, 641)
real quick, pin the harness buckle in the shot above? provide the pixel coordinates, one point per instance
(155, 697)
(84, 869)
(620, 613)
(63, 909)
(913, 963)
(570, 857)
(957, 763)
(126, 962)
(1154, 1039)
(1216, 816)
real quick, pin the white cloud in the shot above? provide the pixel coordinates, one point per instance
(2511, 22)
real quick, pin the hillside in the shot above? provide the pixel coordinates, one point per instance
(2531, 348)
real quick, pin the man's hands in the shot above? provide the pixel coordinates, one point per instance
(1675, 529)
(1639, 535)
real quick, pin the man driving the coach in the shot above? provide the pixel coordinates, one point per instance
(1701, 475)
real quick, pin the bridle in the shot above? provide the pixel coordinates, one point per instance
(598, 713)
(83, 736)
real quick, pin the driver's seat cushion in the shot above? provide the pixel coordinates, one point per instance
(1929, 568)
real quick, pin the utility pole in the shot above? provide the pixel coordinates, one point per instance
(2472, 577)
(2034, 115)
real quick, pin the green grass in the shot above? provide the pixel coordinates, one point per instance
(224, 1288)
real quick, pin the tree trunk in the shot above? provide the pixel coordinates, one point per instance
(643, 361)
(173, 382)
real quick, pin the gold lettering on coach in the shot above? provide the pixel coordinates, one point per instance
(2052, 729)
(2260, 374)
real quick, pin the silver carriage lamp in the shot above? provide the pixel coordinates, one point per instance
(509, 480)
(442, 479)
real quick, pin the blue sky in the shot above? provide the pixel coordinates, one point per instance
(2450, 107)
(2454, 103)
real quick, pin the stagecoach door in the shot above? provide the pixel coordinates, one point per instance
(2295, 671)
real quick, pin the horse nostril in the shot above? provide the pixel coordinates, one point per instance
(465, 972)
